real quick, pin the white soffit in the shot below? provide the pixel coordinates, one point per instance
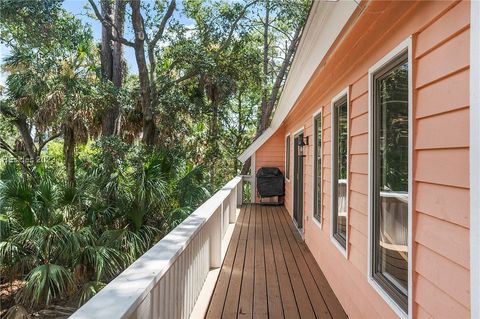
(324, 24)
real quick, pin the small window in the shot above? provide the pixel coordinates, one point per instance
(339, 170)
(317, 176)
(390, 180)
(287, 157)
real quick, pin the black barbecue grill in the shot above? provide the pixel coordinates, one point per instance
(270, 184)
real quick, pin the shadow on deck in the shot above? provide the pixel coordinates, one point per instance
(268, 272)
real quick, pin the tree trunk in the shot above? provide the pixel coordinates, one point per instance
(112, 60)
(246, 166)
(118, 61)
(69, 153)
(238, 137)
(214, 149)
(282, 74)
(263, 120)
(22, 126)
(267, 109)
(147, 109)
(106, 50)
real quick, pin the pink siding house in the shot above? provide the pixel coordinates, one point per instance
(384, 97)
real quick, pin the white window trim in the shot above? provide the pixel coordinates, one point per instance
(474, 159)
(405, 46)
(300, 130)
(289, 155)
(319, 223)
(337, 97)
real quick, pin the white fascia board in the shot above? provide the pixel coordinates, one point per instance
(324, 24)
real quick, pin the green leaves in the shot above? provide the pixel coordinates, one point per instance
(46, 282)
(88, 290)
(73, 234)
(55, 243)
(106, 262)
(16, 196)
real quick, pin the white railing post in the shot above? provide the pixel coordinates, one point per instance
(253, 195)
(240, 193)
(233, 205)
(215, 239)
(226, 215)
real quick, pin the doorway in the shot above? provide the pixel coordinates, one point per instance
(298, 181)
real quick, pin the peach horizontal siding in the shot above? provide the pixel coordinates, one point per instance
(442, 178)
(440, 34)
(272, 153)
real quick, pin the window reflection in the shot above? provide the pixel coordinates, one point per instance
(391, 181)
(318, 168)
(341, 143)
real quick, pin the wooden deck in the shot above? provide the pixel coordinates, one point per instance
(268, 272)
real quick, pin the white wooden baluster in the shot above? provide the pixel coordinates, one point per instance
(240, 194)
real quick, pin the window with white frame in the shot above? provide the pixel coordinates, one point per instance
(339, 170)
(390, 179)
(317, 168)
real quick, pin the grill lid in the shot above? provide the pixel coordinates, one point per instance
(270, 182)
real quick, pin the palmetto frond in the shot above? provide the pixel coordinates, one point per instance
(17, 197)
(8, 225)
(57, 242)
(48, 111)
(132, 244)
(88, 290)
(190, 187)
(46, 202)
(11, 253)
(174, 217)
(46, 282)
(106, 261)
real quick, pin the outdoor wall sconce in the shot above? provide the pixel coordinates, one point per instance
(302, 142)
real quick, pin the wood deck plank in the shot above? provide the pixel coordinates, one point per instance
(260, 302)
(334, 306)
(274, 299)
(289, 304)
(314, 294)
(217, 301)
(268, 272)
(230, 309)
(245, 307)
(303, 302)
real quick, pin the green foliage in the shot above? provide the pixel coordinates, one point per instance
(88, 290)
(46, 282)
(69, 240)
(76, 208)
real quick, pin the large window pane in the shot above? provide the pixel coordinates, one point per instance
(317, 211)
(391, 180)
(340, 131)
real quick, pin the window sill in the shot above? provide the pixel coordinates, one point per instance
(316, 222)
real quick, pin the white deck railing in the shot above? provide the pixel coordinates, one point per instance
(166, 281)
